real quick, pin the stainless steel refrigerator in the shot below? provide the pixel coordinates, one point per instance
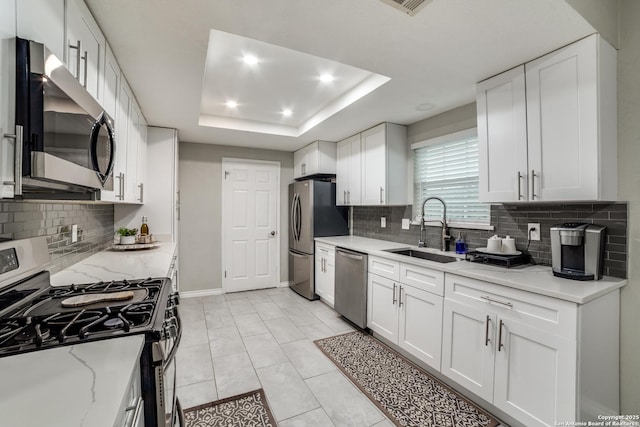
(312, 213)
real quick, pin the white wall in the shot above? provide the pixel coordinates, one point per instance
(200, 182)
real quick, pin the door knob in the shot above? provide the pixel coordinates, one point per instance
(273, 233)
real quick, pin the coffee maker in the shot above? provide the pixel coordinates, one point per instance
(577, 250)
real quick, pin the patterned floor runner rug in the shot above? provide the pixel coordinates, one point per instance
(245, 410)
(405, 393)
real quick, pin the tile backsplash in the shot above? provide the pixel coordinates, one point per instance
(508, 220)
(21, 220)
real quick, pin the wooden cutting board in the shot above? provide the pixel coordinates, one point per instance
(81, 300)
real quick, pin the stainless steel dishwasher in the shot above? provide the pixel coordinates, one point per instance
(351, 286)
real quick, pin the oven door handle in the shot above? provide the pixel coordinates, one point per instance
(176, 343)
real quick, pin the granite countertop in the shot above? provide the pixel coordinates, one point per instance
(78, 385)
(118, 265)
(537, 279)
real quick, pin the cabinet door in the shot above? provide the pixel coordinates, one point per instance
(374, 166)
(85, 39)
(141, 169)
(420, 330)
(330, 280)
(7, 95)
(354, 192)
(320, 275)
(310, 165)
(562, 114)
(468, 341)
(343, 171)
(382, 307)
(42, 21)
(111, 83)
(502, 137)
(298, 160)
(535, 375)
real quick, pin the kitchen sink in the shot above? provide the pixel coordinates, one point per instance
(423, 255)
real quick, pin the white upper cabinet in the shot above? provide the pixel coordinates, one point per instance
(111, 83)
(376, 163)
(85, 47)
(42, 21)
(502, 137)
(7, 96)
(569, 117)
(349, 172)
(317, 158)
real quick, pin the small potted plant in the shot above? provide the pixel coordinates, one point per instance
(127, 235)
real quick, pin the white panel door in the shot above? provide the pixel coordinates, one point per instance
(343, 154)
(468, 347)
(7, 95)
(502, 137)
(374, 162)
(420, 331)
(535, 375)
(382, 307)
(354, 192)
(250, 218)
(562, 114)
(42, 21)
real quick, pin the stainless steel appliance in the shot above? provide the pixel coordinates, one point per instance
(33, 318)
(64, 139)
(577, 250)
(351, 286)
(313, 213)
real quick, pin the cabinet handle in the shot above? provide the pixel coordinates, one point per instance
(533, 184)
(17, 160)
(500, 345)
(78, 48)
(519, 189)
(486, 331)
(304, 169)
(394, 294)
(122, 186)
(488, 299)
(141, 187)
(86, 62)
(178, 204)
(381, 198)
(348, 197)
(400, 297)
(344, 197)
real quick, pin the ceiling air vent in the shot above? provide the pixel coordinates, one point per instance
(410, 7)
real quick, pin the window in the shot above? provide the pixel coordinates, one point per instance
(447, 167)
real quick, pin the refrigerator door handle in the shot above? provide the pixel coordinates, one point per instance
(292, 217)
(297, 255)
(299, 218)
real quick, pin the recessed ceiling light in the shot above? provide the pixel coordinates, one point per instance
(231, 104)
(287, 112)
(250, 59)
(326, 78)
(426, 107)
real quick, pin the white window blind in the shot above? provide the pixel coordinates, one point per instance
(448, 168)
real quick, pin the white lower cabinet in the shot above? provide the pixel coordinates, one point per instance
(512, 348)
(325, 274)
(407, 316)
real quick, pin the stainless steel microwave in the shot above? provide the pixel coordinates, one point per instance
(68, 143)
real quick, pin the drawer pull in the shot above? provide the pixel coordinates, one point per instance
(486, 331)
(400, 297)
(500, 345)
(394, 294)
(508, 304)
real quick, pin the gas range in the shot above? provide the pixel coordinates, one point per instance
(37, 316)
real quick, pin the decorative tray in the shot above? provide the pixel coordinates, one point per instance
(135, 246)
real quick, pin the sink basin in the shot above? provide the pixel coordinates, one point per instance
(423, 255)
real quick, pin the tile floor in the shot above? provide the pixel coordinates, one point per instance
(239, 342)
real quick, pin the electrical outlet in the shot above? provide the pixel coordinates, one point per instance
(74, 233)
(533, 230)
(406, 223)
(383, 222)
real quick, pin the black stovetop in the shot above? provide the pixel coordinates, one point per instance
(34, 318)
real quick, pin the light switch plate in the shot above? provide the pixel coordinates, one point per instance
(535, 234)
(383, 222)
(74, 233)
(406, 223)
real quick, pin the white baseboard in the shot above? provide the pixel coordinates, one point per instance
(203, 293)
(284, 284)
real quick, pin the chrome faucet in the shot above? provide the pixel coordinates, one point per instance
(445, 235)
